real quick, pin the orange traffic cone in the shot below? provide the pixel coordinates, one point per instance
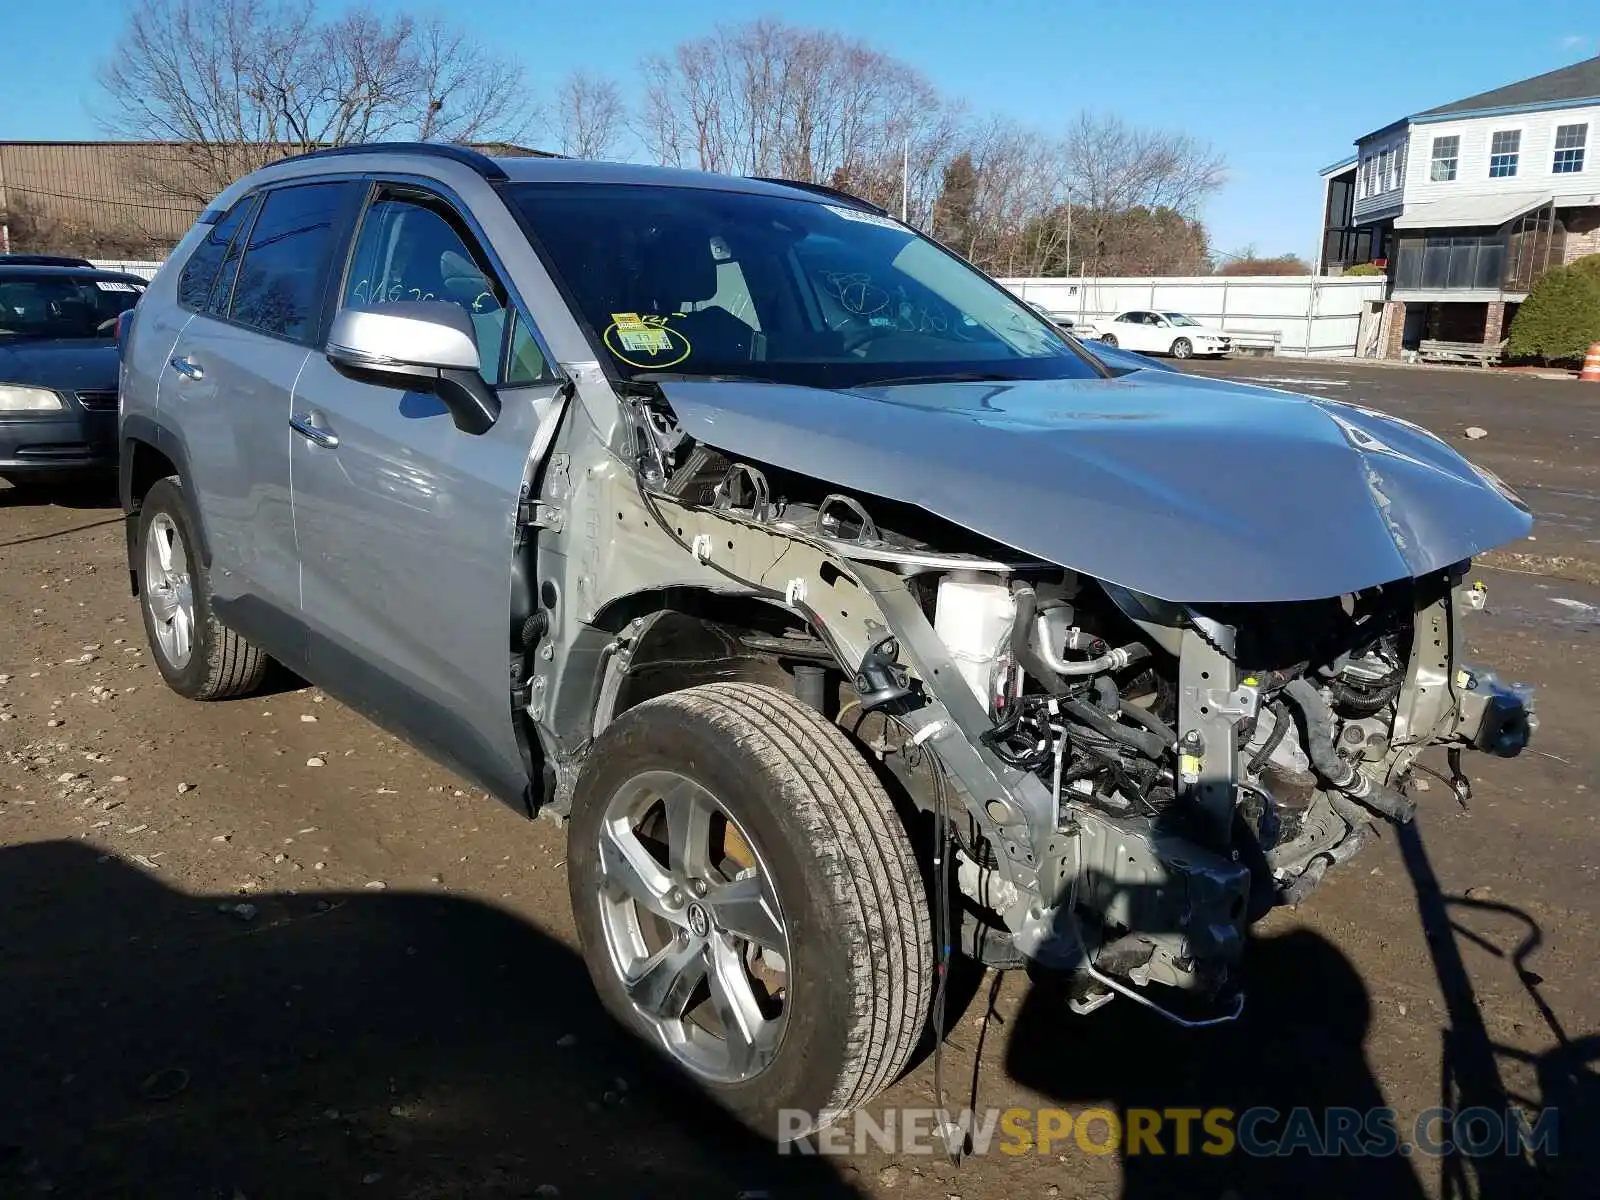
(1591, 364)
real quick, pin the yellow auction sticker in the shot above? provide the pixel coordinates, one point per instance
(645, 342)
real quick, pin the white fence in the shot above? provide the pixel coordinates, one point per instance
(142, 267)
(1313, 317)
(1322, 317)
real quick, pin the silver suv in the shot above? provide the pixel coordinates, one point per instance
(853, 614)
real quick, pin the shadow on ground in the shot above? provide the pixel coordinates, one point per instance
(79, 491)
(1300, 1044)
(373, 1044)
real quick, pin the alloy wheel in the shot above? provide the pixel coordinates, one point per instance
(168, 590)
(693, 926)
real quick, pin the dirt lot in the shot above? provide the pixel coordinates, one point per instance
(228, 972)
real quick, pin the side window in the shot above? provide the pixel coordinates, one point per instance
(200, 273)
(279, 288)
(222, 291)
(411, 248)
(526, 362)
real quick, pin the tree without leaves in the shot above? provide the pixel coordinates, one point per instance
(239, 83)
(770, 99)
(1106, 199)
(590, 115)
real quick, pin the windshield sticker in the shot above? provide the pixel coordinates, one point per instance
(865, 218)
(116, 285)
(629, 334)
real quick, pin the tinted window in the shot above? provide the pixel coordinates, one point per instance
(61, 306)
(413, 249)
(200, 272)
(711, 281)
(526, 363)
(222, 291)
(279, 288)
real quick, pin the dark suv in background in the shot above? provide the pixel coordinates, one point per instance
(58, 364)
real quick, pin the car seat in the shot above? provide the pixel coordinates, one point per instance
(674, 267)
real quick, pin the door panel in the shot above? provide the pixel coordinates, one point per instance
(1140, 335)
(407, 531)
(234, 416)
(407, 526)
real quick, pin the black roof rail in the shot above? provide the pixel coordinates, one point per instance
(481, 163)
(43, 260)
(823, 189)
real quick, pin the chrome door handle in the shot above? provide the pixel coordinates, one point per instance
(306, 426)
(187, 367)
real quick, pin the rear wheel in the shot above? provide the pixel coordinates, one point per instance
(749, 904)
(1109, 339)
(1183, 348)
(196, 654)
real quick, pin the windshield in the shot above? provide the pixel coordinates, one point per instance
(60, 306)
(708, 282)
(1180, 319)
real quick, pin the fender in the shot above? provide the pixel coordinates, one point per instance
(139, 431)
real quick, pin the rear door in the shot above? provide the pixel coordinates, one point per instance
(227, 391)
(407, 526)
(1133, 331)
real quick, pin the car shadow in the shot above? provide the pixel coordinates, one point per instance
(377, 1043)
(1300, 1045)
(90, 491)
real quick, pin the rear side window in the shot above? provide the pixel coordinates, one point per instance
(201, 271)
(280, 284)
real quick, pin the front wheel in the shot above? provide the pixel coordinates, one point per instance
(1183, 348)
(749, 904)
(197, 655)
(1109, 339)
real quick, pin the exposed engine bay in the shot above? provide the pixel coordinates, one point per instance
(1269, 738)
(1127, 782)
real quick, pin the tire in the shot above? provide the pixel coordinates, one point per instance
(1183, 348)
(219, 664)
(1110, 339)
(824, 837)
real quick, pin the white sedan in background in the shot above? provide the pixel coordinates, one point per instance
(1151, 332)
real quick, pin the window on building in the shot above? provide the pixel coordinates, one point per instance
(1400, 165)
(1446, 157)
(1505, 148)
(1369, 171)
(1570, 141)
(1386, 170)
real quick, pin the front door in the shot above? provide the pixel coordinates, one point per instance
(407, 525)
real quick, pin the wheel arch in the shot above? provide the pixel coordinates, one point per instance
(677, 638)
(148, 453)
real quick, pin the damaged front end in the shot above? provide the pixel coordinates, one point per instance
(1128, 779)
(1209, 763)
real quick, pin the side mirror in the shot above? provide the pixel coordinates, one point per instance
(421, 345)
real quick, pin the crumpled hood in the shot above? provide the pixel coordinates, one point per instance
(68, 365)
(1185, 488)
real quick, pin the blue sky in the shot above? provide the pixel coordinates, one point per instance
(1281, 89)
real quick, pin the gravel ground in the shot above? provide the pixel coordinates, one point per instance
(226, 971)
